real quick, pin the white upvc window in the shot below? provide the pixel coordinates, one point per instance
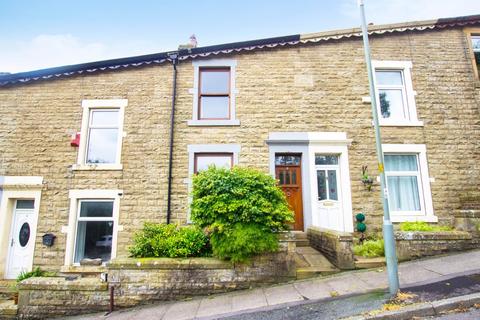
(408, 183)
(93, 225)
(214, 91)
(101, 134)
(394, 93)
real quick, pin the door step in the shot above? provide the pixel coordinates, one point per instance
(367, 263)
(8, 309)
(311, 263)
(7, 289)
(301, 239)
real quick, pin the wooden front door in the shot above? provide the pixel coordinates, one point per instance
(288, 172)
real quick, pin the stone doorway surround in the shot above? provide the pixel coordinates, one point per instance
(11, 189)
(307, 144)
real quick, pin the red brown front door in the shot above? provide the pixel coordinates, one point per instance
(288, 173)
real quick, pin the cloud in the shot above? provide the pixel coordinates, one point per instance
(50, 50)
(389, 11)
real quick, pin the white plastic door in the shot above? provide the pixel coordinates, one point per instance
(329, 196)
(21, 244)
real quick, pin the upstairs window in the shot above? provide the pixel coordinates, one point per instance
(214, 94)
(394, 93)
(475, 45)
(101, 135)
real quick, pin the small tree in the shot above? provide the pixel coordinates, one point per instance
(241, 208)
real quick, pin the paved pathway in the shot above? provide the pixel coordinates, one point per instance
(355, 282)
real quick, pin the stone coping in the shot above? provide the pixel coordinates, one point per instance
(61, 284)
(432, 235)
(342, 236)
(169, 263)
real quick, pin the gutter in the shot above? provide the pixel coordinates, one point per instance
(173, 56)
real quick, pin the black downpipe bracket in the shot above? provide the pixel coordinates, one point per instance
(174, 58)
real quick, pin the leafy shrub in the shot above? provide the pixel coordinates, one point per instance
(37, 272)
(241, 208)
(422, 226)
(169, 240)
(370, 249)
(243, 241)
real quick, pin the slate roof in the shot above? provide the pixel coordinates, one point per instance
(228, 48)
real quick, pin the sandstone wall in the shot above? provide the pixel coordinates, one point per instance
(315, 87)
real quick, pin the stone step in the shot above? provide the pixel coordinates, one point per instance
(7, 289)
(302, 243)
(367, 263)
(310, 272)
(312, 263)
(299, 235)
(8, 309)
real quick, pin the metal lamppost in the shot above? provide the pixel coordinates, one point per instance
(388, 237)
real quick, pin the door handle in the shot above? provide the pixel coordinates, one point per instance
(11, 244)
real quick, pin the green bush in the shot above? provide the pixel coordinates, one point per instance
(422, 226)
(241, 208)
(242, 241)
(37, 272)
(169, 240)
(370, 249)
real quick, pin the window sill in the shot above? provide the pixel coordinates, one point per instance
(76, 268)
(214, 122)
(413, 218)
(401, 124)
(93, 167)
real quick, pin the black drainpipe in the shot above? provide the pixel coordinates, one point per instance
(174, 58)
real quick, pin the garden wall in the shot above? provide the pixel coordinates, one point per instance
(138, 281)
(46, 297)
(336, 246)
(416, 244)
(141, 280)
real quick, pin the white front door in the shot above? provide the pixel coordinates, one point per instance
(21, 242)
(329, 195)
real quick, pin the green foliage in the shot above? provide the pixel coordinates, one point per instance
(370, 249)
(243, 241)
(422, 226)
(169, 240)
(241, 208)
(37, 272)
(223, 198)
(360, 217)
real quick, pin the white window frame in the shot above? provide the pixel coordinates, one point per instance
(214, 63)
(425, 194)
(92, 105)
(408, 94)
(206, 148)
(76, 196)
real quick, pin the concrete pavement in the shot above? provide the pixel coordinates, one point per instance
(345, 284)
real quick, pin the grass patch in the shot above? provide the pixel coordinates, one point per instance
(370, 249)
(422, 226)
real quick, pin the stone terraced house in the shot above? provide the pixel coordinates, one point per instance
(86, 151)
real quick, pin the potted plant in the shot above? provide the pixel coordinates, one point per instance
(366, 179)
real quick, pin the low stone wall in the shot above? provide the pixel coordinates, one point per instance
(141, 280)
(46, 297)
(468, 220)
(336, 246)
(416, 244)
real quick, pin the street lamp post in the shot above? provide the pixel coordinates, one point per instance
(388, 237)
